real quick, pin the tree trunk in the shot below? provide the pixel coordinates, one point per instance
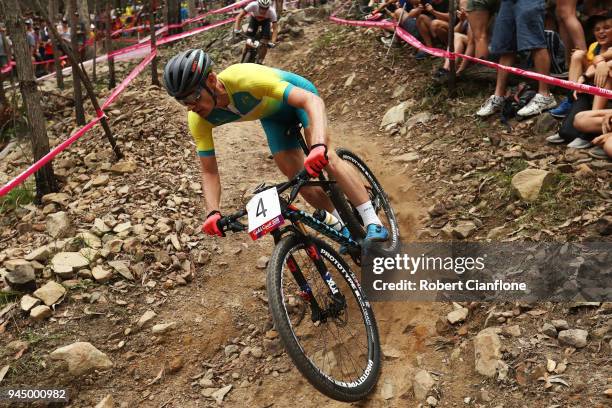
(82, 75)
(83, 10)
(279, 8)
(154, 76)
(45, 179)
(112, 82)
(57, 63)
(76, 83)
(173, 15)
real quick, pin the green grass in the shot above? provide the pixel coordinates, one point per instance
(8, 297)
(20, 195)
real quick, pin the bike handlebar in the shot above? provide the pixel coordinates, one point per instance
(231, 223)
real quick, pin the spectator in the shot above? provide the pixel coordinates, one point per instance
(64, 30)
(570, 28)
(31, 37)
(5, 47)
(479, 15)
(585, 64)
(407, 11)
(464, 44)
(519, 26)
(597, 122)
(432, 23)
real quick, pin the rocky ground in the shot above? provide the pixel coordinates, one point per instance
(127, 304)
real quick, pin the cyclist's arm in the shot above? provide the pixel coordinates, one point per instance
(274, 31)
(239, 19)
(315, 108)
(211, 183)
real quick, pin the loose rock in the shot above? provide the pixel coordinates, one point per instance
(50, 293)
(574, 337)
(422, 384)
(529, 183)
(82, 358)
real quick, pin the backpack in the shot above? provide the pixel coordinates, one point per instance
(556, 50)
(515, 100)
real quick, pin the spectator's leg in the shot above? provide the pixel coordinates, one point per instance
(599, 102)
(479, 21)
(590, 121)
(541, 59)
(469, 50)
(576, 67)
(568, 130)
(502, 76)
(439, 30)
(572, 33)
(460, 45)
(424, 28)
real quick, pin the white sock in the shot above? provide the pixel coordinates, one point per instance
(367, 213)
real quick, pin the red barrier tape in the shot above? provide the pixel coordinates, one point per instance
(46, 158)
(593, 90)
(179, 36)
(121, 87)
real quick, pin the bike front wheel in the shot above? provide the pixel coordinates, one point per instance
(330, 334)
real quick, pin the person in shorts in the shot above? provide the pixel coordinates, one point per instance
(519, 26)
(479, 15)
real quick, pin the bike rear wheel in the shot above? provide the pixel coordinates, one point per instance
(338, 352)
(378, 197)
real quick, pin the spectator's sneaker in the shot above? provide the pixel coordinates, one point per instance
(538, 104)
(598, 153)
(562, 110)
(388, 42)
(555, 139)
(346, 233)
(421, 55)
(492, 105)
(376, 232)
(579, 143)
(441, 73)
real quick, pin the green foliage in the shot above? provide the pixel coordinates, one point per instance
(8, 297)
(20, 195)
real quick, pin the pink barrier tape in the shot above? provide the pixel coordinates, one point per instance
(179, 36)
(593, 90)
(128, 30)
(403, 34)
(8, 67)
(47, 158)
(127, 49)
(121, 87)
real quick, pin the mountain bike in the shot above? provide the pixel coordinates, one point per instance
(251, 49)
(318, 307)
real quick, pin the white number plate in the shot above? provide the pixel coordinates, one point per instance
(264, 213)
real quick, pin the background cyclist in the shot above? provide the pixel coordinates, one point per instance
(263, 16)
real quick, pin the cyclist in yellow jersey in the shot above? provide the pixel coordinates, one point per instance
(281, 101)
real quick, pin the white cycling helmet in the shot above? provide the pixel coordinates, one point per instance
(264, 3)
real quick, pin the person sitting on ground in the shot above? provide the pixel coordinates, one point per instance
(406, 15)
(597, 122)
(261, 16)
(519, 26)
(590, 64)
(464, 44)
(479, 15)
(432, 24)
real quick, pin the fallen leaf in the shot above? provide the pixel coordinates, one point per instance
(156, 379)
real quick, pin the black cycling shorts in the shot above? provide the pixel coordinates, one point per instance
(266, 29)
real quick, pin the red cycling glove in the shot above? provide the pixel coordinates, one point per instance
(210, 226)
(316, 160)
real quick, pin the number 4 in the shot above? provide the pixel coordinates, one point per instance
(260, 208)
